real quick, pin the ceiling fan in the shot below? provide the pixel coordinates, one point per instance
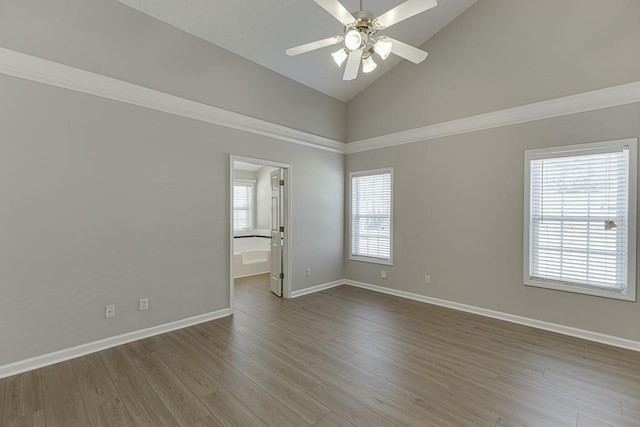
(360, 36)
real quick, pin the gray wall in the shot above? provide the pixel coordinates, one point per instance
(105, 202)
(109, 38)
(458, 207)
(459, 200)
(505, 53)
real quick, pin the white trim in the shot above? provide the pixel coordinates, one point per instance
(251, 275)
(629, 293)
(362, 258)
(40, 70)
(92, 347)
(288, 226)
(588, 101)
(539, 324)
(84, 349)
(317, 288)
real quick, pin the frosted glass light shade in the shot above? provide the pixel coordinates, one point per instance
(340, 56)
(368, 64)
(353, 40)
(383, 48)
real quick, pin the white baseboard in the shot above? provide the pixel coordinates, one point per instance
(252, 274)
(81, 350)
(317, 288)
(92, 347)
(547, 326)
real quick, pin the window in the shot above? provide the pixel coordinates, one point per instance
(580, 217)
(242, 206)
(372, 216)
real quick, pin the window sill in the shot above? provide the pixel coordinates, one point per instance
(370, 260)
(628, 295)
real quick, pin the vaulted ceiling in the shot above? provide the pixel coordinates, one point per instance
(261, 31)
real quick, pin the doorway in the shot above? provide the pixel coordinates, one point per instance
(259, 229)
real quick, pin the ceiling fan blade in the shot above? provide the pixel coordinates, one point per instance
(335, 8)
(406, 10)
(353, 65)
(308, 47)
(407, 52)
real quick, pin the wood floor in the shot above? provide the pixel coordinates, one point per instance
(342, 357)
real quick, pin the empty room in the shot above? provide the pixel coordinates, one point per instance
(319, 213)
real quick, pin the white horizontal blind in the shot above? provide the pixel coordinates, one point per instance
(371, 215)
(579, 219)
(242, 206)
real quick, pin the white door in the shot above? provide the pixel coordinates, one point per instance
(277, 230)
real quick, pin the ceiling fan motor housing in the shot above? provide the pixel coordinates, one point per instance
(364, 22)
(365, 26)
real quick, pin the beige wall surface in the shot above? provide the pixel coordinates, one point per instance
(501, 54)
(458, 216)
(105, 203)
(109, 38)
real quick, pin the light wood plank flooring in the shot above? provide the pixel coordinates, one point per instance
(342, 357)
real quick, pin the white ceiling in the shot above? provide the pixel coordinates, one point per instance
(261, 31)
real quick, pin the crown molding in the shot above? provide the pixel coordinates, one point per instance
(28, 67)
(51, 73)
(588, 101)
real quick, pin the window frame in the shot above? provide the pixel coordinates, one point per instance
(369, 259)
(252, 184)
(629, 293)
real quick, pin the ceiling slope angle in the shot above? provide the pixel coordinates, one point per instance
(262, 31)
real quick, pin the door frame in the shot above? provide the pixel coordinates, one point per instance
(287, 266)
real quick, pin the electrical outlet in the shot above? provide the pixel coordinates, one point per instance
(143, 304)
(427, 279)
(110, 311)
(308, 271)
(383, 274)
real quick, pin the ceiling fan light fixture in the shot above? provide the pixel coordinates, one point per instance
(353, 40)
(340, 56)
(360, 29)
(383, 48)
(368, 64)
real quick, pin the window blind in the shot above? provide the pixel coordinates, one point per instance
(371, 215)
(242, 206)
(579, 219)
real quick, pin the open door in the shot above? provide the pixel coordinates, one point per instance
(277, 231)
(273, 181)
